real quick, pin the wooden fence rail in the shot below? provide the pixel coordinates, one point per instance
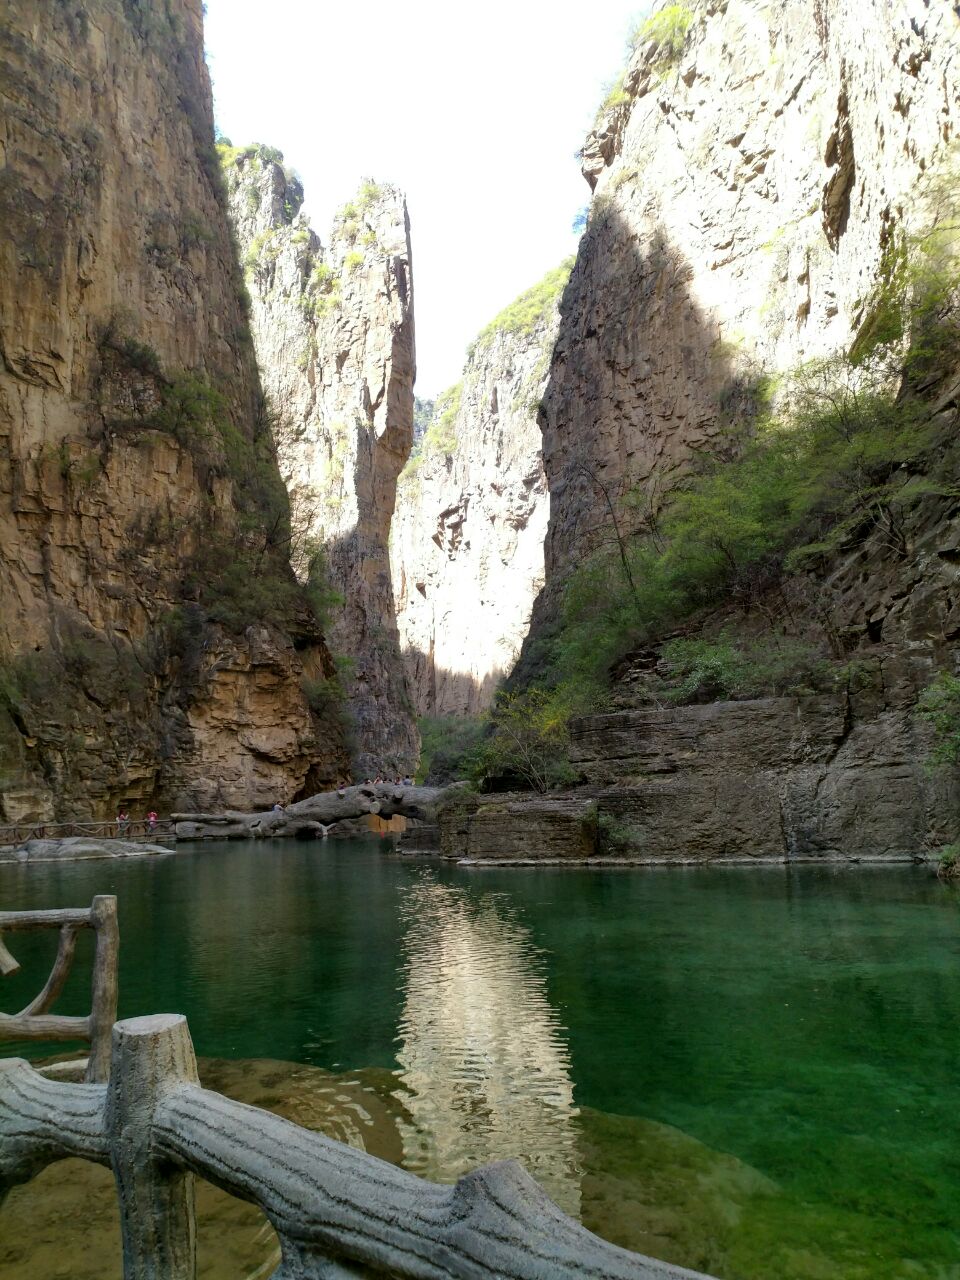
(20, 832)
(35, 1021)
(338, 1212)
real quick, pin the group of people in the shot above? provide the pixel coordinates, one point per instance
(397, 782)
(123, 820)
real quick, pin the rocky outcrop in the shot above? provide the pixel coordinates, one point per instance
(318, 814)
(334, 335)
(521, 828)
(153, 645)
(76, 848)
(467, 545)
(746, 189)
(777, 778)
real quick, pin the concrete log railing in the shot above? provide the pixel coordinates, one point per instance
(315, 814)
(338, 1212)
(139, 829)
(35, 1021)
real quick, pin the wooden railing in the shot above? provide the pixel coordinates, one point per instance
(35, 1021)
(338, 1212)
(20, 832)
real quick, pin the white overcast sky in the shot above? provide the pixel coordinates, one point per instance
(474, 110)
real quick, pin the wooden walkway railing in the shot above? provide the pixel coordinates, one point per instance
(35, 1021)
(20, 832)
(338, 1212)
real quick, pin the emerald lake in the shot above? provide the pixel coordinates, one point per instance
(753, 1071)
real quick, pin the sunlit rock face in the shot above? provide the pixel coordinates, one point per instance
(743, 199)
(481, 1050)
(119, 276)
(334, 335)
(467, 543)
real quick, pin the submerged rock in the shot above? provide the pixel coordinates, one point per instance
(644, 1185)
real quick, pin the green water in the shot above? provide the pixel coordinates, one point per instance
(803, 1022)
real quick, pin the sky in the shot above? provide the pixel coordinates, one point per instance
(474, 111)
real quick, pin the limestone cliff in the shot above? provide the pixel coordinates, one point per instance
(467, 546)
(753, 174)
(153, 646)
(333, 330)
(747, 180)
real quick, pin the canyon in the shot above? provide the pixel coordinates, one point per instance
(333, 329)
(467, 540)
(231, 576)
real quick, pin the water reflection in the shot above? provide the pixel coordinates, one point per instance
(482, 1052)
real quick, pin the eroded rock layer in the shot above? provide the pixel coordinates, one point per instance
(467, 544)
(152, 644)
(334, 333)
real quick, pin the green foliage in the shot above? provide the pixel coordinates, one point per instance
(353, 261)
(527, 740)
(448, 745)
(193, 412)
(324, 694)
(139, 357)
(257, 152)
(195, 233)
(264, 241)
(525, 313)
(423, 411)
(701, 668)
(667, 29)
(842, 459)
(370, 191)
(615, 836)
(939, 705)
(320, 595)
(915, 304)
(948, 866)
(440, 436)
(614, 95)
(323, 290)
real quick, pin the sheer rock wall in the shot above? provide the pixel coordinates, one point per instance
(467, 543)
(118, 274)
(334, 333)
(743, 198)
(745, 193)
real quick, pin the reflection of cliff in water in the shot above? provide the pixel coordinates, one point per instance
(482, 1052)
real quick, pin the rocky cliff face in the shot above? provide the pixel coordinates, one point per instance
(747, 181)
(467, 544)
(333, 329)
(152, 644)
(752, 178)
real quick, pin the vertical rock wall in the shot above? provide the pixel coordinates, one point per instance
(334, 333)
(744, 194)
(467, 544)
(129, 406)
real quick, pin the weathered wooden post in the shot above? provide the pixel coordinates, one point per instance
(152, 1057)
(106, 965)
